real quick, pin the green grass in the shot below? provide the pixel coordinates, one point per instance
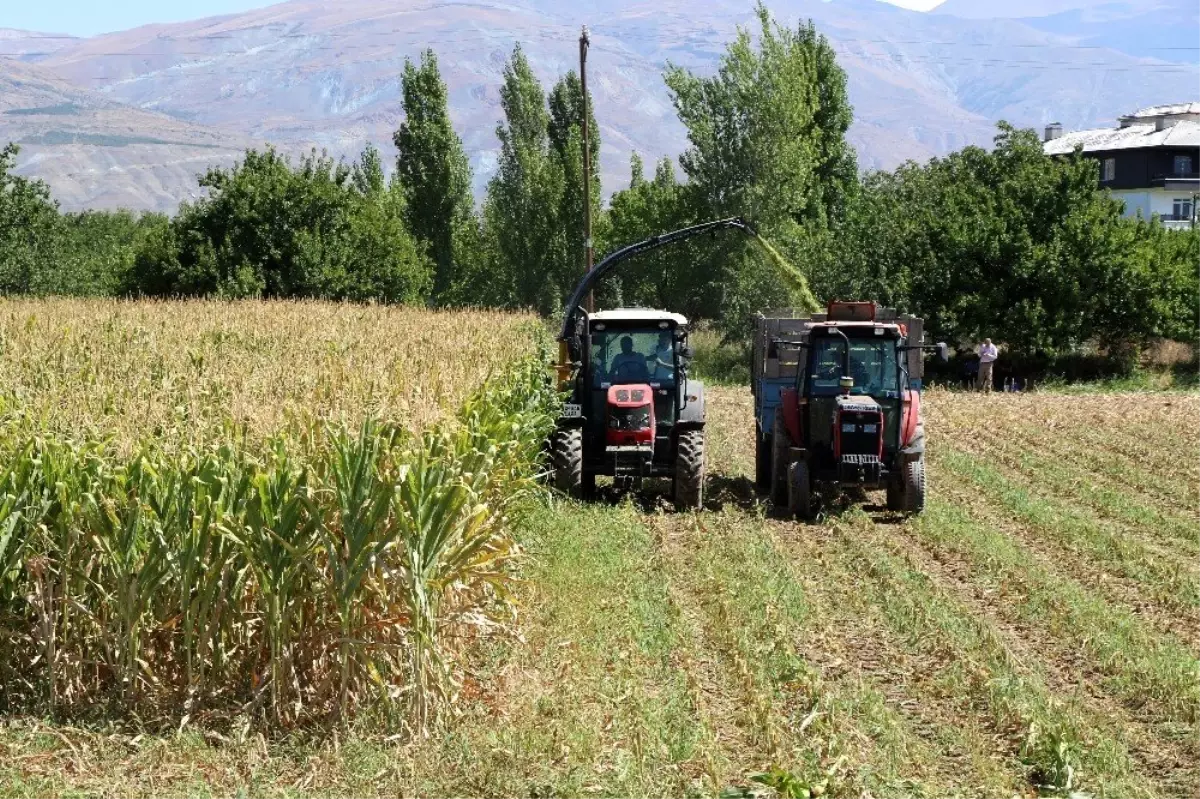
(718, 363)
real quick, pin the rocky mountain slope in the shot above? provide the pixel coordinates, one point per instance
(309, 73)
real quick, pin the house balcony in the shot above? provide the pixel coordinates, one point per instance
(1173, 222)
(1185, 181)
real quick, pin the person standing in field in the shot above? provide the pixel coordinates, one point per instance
(987, 357)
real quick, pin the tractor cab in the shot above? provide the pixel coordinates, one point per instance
(849, 398)
(637, 346)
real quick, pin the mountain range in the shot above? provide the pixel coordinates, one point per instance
(129, 118)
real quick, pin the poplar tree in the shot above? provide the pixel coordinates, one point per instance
(522, 227)
(432, 169)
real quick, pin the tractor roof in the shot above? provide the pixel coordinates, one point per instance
(638, 315)
(857, 326)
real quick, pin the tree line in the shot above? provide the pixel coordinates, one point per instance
(1005, 242)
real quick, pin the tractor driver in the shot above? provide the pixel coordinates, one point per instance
(629, 365)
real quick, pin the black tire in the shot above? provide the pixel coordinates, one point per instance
(799, 490)
(689, 470)
(566, 452)
(895, 493)
(914, 486)
(781, 441)
(762, 462)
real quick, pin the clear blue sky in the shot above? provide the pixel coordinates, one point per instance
(89, 17)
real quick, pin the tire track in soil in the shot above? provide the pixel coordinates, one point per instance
(855, 646)
(710, 680)
(853, 649)
(1165, 615)
(1066, 673)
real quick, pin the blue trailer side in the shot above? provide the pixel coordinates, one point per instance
(766, 400)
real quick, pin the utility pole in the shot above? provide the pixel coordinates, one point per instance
(587, 164)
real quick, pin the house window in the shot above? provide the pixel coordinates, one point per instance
(1183, 165)
(1181, 209)
(1110, 169)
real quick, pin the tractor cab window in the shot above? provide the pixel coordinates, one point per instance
(633, 356)
(873, 366)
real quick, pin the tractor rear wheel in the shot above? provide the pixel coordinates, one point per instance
(914, 485)
(762, 462)
(689, 470)
(799, 490)
(780, 443)
(566, 452)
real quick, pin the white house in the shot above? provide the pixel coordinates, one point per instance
(1151, 161)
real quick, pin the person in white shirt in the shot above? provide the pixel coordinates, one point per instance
(664, 358)
(987, 357)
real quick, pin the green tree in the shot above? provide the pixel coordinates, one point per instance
(432, 168)
(28, 227)
(766, 138)
(319, 229)
(674, 277)
(1015, 245)
(566, 146)
(521, 225)
(767, 132)
(96, 250)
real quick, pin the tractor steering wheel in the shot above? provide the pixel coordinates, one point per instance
(631, 370)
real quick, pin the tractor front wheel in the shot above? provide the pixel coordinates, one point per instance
(689, 470)
(914, 485)
(566, 452)
(799, 490)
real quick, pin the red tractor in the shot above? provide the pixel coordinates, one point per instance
(837, 401)
(632, 411)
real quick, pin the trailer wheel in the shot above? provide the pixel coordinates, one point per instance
(780, 442)
(914, 485)
(762, 462)
(566, 452)
(799, 490)
(689, 470)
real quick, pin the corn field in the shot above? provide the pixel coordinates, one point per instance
(292, 534)
(195, 372)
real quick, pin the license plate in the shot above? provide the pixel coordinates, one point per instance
(572, 410)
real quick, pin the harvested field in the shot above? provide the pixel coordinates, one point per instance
(1034, 632)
